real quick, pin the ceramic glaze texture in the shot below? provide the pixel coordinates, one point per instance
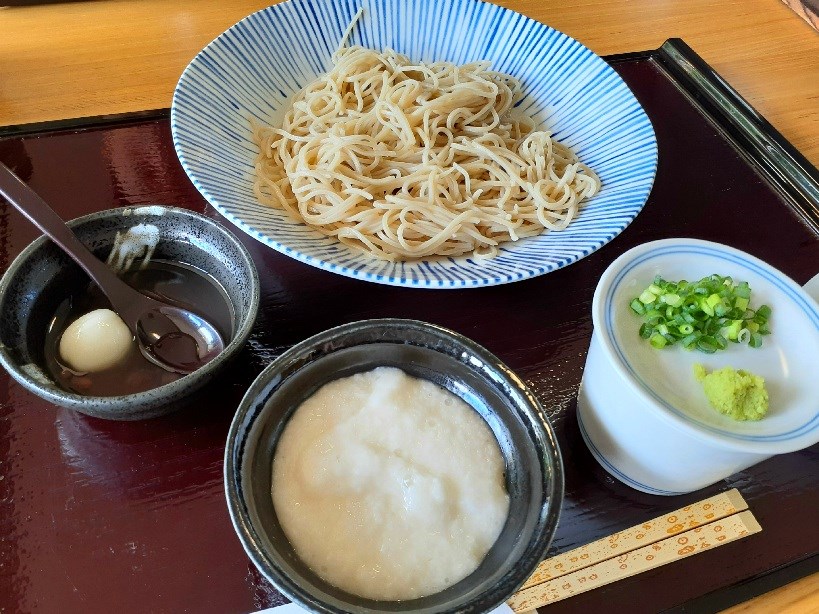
(43, 276)
(252, 70)
(533, 466)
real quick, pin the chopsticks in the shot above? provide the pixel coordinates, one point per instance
(700, 526)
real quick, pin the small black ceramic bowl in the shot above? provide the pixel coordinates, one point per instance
(42, 276)
(534, 474)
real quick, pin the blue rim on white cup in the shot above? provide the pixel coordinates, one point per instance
(641, 411)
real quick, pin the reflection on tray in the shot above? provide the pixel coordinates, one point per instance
(705, 188)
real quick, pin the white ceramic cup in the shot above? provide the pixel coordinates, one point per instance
(641, 411)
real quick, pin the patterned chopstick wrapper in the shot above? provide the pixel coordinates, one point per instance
(688, 517)
(628, 564)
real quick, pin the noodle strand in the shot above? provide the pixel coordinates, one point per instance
(407, 161)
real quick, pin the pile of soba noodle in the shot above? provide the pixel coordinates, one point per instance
(408, 160)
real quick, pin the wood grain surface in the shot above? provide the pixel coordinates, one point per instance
(807, 10)
(111, 56)
(90, 58)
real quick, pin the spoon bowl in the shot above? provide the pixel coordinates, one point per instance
(171, 337)
(39, 279)
(188, 341)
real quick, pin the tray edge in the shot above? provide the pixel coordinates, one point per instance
(780, 163)
(79, 123)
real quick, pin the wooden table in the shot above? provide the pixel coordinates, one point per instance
(92, 58)
(83, 59)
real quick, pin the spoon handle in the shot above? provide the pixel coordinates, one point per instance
(29, 203)
(160, 337)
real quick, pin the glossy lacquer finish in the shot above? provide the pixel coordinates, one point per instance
(131, 517)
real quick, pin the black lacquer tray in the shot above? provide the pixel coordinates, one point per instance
(130, 517)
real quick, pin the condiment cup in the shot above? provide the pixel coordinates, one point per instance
(534, 475)
(42, 276)
(642, 412)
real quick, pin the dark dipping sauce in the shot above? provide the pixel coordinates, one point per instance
(172, 282)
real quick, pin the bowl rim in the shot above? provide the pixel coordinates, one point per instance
(268, 381)
(601, 302)
(117, 405)
(450, 279)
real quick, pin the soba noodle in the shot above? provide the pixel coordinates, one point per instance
(408, 160)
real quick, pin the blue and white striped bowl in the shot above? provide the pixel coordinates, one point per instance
(255, 67)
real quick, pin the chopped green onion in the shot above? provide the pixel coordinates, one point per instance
(732, 332)
(713, 300)
(706, 307)
(647, 297)
(673, 300)
(707, 314)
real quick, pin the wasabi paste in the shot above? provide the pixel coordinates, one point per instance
(735, 393)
